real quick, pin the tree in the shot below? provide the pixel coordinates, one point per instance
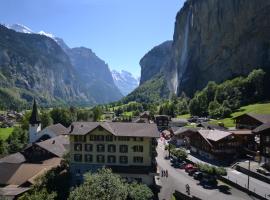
(97, 112)
(17, 140)
(25, 121)
(139, 192)
(103, 185)
(38, 195)
(3, 147)
(46, 119)
(62, 116)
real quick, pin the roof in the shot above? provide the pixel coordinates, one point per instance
(211, 126)
(20, 173)
(264, 118)
(145, 113)
(241, 132)
(182, 130)
(58, 129)
(179, 120)
(13, 158)
(34, 118)
(57, 145)
(214, 135)
(261, 128)
(117, 128)
(12, 190)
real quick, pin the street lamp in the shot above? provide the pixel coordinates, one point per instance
(249, 157)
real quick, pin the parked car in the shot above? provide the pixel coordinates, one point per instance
(189, 166)
(198, 175)
(208, 181)
(191, 171)
(183, 165)
(176, 164)
(263, 171)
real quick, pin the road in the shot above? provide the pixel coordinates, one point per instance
(178, 179)
(255, 185)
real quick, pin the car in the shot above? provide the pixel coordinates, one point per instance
(208, 181)
(183, 165)
(198, 175)
(191, 171)
(176, 164)
(188, 166)
(263, 171)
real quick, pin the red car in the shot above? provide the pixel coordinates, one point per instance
(189, 166)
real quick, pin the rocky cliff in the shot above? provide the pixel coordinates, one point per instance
(214, 40)
(155, 61)
(125, 81)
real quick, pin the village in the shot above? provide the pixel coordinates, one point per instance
(187, 158)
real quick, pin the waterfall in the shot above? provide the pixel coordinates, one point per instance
(183, 56)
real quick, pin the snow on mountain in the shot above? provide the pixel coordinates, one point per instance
(125, 81)
(19, 28)
(46, 34)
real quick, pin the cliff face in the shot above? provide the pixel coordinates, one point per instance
(215, 40)
(155, 61)
(95, 75)
(37, 66)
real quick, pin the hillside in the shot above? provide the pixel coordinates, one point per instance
(258, 108)
(45, 67)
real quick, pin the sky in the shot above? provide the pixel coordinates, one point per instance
(120, 32)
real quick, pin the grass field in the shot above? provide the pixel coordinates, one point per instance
(259, 108)
(5, 132)
(186, 116)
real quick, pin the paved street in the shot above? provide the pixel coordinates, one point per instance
(255, 185)
(178, 179)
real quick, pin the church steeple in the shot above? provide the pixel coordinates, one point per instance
(34, 119)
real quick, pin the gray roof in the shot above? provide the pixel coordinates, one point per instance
(178, 131)
(58, 145)
(261, 128)
(117, 128)
(214, 135)
(264, 118)
(58, 129)
(13, 158)
(12, 190)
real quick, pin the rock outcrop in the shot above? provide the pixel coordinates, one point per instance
(216, 40)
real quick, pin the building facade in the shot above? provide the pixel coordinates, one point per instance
(127, 148)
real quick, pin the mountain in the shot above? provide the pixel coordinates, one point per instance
(33, 65)
(20, 28)
(125, 81)
(95, 75)
(45, 67)
(214, 40)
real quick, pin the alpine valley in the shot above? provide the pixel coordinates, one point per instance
(42, 66)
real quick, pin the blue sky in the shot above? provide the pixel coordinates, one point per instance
(118, 31)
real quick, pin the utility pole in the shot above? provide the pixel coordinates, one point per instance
(249, 158)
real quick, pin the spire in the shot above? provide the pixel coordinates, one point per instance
(34, 119)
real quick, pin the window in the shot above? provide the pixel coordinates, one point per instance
(88, 158)
(91, 137)
(111, 148)
(138, 148)
(78, 157)
(267, 138)
(123, 159)
(138, 159)
(79, 138)
(77, 147)
(100, 148)
(100, 159)
(123, 148)
(88, 147)
(111, 159)
(123, 138)
(109, 138)
(96, 138)
(137, 138)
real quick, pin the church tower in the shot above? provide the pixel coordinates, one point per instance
(34, 124)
